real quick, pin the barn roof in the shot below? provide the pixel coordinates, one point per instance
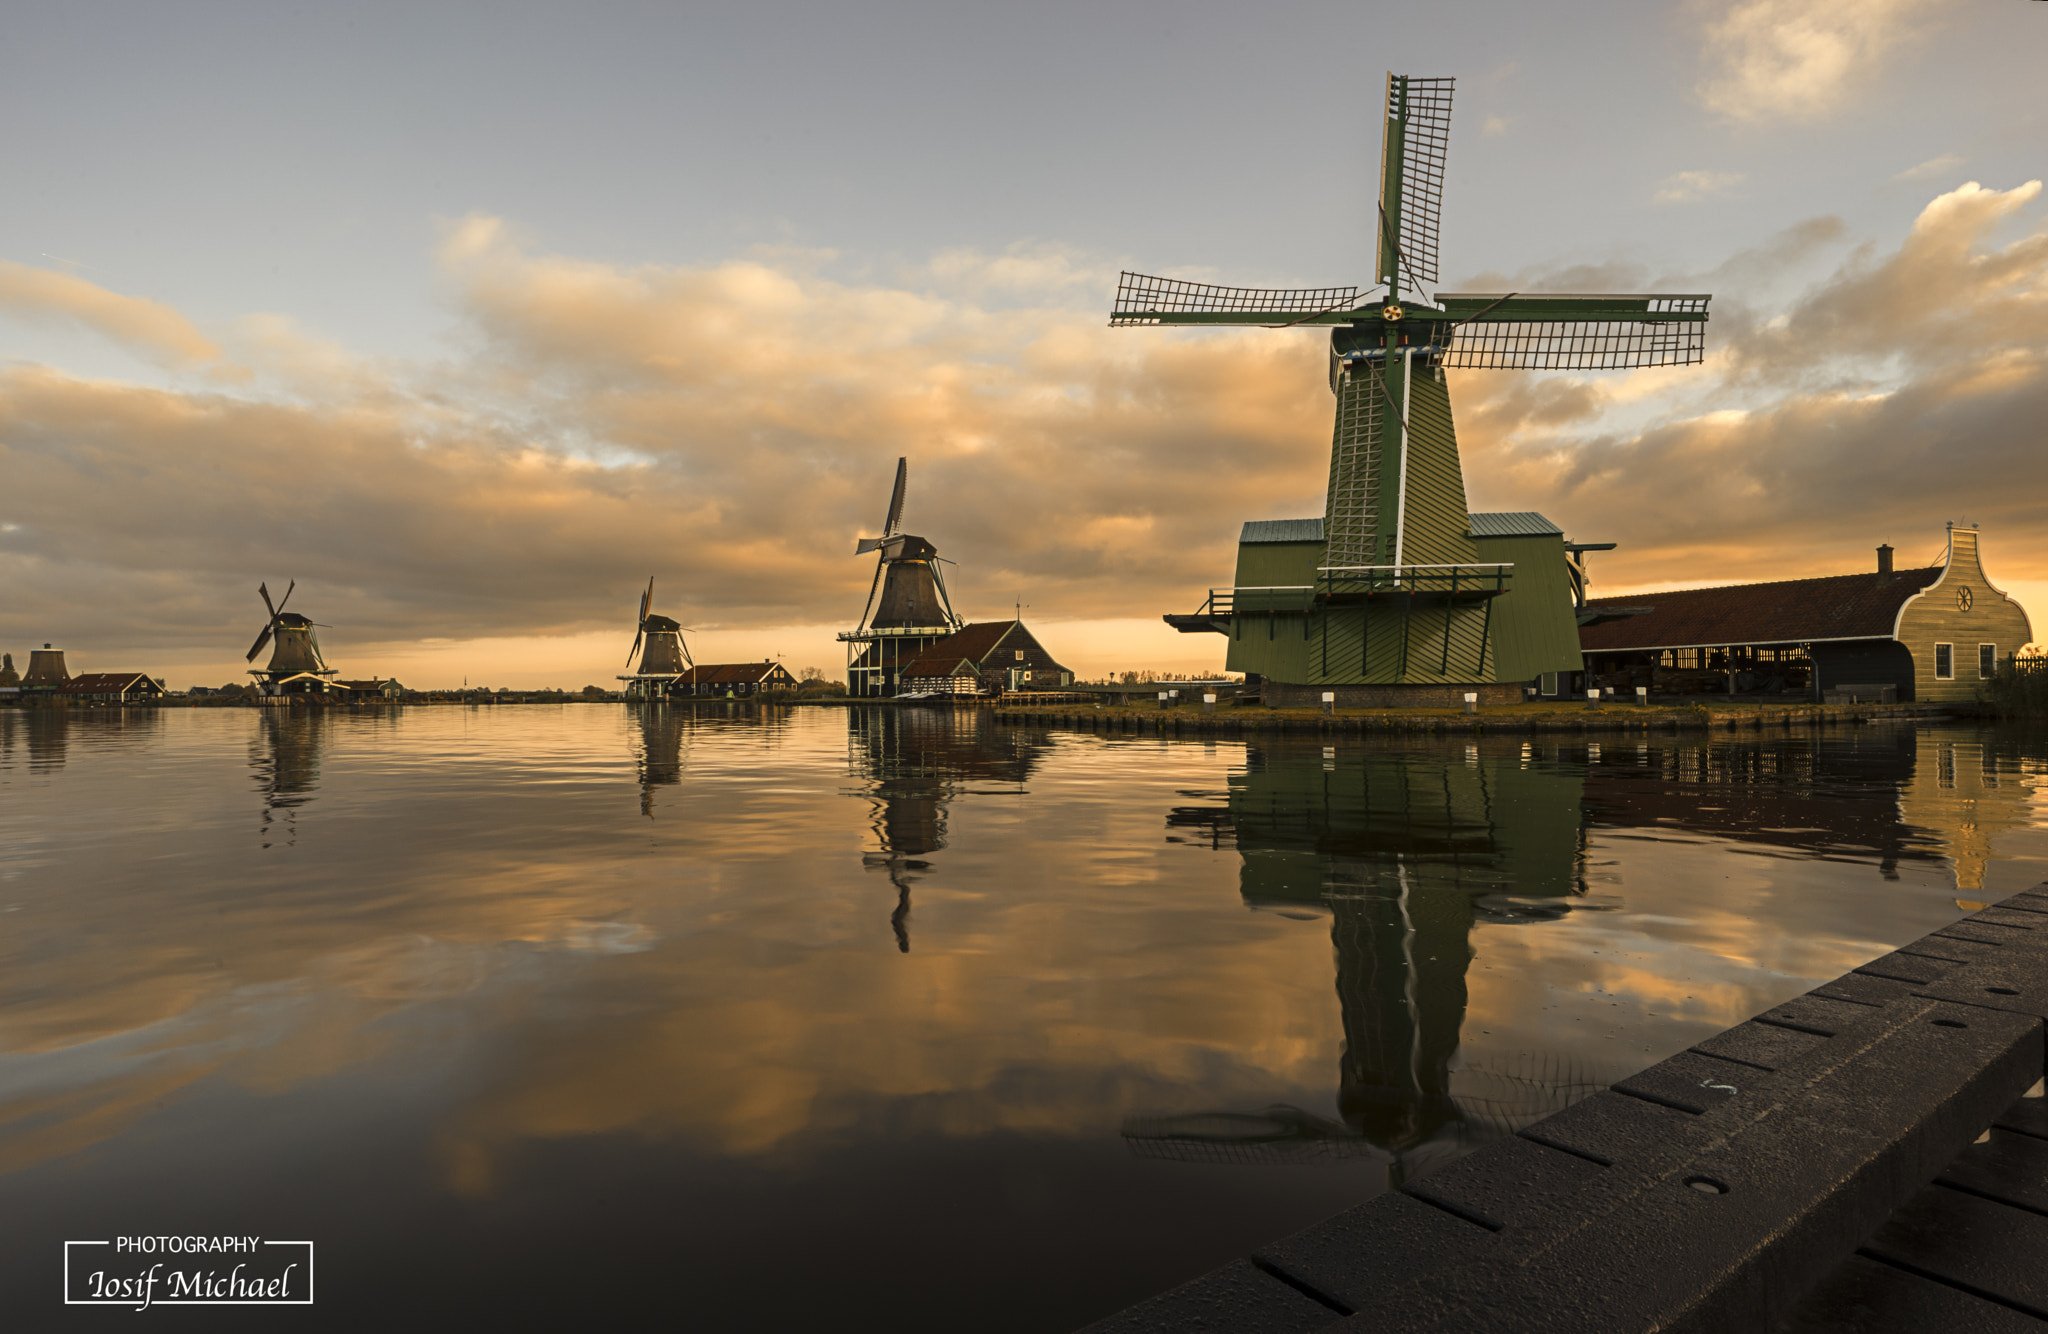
(1282, 530)
(729, 673)
(972, 642)
(929, 666)
(1794, 611)
(105, 683)
(1515, 523)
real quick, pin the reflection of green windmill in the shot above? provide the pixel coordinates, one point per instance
(1404, 850)
(1397, 593)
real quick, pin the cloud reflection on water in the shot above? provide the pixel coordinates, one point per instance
(696, 928)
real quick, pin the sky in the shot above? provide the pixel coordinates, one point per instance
(472, 319)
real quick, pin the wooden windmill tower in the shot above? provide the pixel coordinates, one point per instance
(295, 666)
(664, 660)
(1393, 599)
(913, 610)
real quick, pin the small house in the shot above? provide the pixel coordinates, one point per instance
(985, 657)
(740, 680)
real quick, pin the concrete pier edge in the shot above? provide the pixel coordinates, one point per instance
(1775, 1175)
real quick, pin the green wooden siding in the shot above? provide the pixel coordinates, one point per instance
(1436, 519)
(1535, 628)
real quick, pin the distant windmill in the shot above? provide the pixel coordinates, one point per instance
(913, 609)
(665, 658)
(295, 663)
(1396, 526)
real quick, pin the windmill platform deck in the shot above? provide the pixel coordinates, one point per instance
(1870, 1156)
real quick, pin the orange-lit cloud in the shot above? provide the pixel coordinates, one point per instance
(154, 330)
(1799, 60)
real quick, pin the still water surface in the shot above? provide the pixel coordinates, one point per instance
(733, 1019)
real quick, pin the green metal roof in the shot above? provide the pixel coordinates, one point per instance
(1519, 523)
(1282, 530)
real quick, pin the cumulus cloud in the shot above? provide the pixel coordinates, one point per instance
(1799, 60)
(154, 331)
(1687, 187)
(1904, 389)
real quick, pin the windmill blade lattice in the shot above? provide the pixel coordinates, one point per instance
(1143, 299)
(1418, 139)
(895, 518)
(1575, 332)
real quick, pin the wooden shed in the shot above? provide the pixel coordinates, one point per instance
(998, 653)
(738, 679)
(1924, 634)
(111, 688)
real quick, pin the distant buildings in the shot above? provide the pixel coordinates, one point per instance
(1928, 634)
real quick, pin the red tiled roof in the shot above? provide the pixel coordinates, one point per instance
(729, 673)
(103, 683)
(931, 665)
(1844, 606)
(972, 642)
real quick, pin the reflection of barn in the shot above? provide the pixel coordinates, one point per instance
(1826, 796)
(1930, 634)
(1404, 851)
(917, 762)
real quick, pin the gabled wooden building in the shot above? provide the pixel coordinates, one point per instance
(985, 657)
(741, 680)
(1929, 634)
(111, 688)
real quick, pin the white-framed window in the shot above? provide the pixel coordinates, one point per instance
(1546, 684)
(1944, 662)
(1020, 655)
(1987, 661)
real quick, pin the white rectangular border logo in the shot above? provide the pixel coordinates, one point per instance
(69, 1300)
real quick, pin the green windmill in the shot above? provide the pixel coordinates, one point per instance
(1398, 588)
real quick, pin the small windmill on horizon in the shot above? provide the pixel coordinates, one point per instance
(296, 665)
(1391, 589)
(664, 660)
(912, 611)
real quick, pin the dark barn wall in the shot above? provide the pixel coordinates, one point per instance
(1881, 662)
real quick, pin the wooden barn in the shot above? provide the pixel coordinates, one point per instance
(738, 679)
(111, 688)
(1925, 634)
(984, 658)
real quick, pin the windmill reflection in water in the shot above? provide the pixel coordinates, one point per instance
(918, 761)
(1404, 852)
(284, 756)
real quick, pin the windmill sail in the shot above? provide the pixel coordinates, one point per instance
(1143, 299)
(896, 498)
(1570, 331)
(1418, 137)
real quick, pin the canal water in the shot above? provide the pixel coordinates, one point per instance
(598, 1016)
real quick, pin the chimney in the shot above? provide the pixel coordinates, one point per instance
(1884, 558)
